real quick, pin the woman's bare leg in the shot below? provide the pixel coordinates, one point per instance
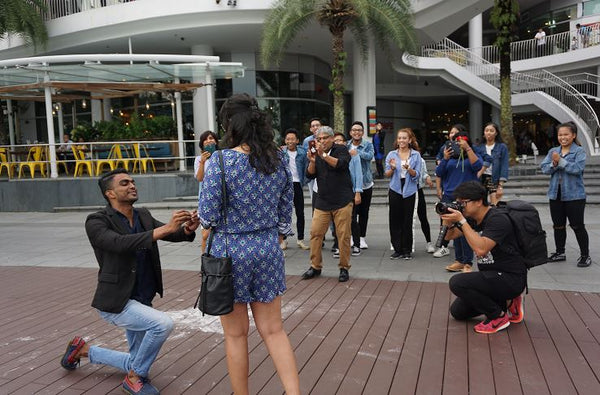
(267, 317)
(235, 327)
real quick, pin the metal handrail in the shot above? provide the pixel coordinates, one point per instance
(555, 44)
(586, 83)
(58, 9)
(535, 81)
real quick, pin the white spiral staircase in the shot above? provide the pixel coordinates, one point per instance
(540, 89)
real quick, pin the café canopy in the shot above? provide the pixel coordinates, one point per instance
(65, 78)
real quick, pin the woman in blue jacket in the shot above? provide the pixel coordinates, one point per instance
(566, 192)
(403, 165)
(494, 153)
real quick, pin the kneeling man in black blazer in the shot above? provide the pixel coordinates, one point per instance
(124, 239)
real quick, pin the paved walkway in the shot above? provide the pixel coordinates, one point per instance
(387, 331)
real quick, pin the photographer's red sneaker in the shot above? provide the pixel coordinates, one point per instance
(515, 310)
(492, 326)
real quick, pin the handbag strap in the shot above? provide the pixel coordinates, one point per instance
(223, 204)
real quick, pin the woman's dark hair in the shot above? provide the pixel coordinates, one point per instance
(498, 137)
(460, 127)
(569, 125)
(204, 137)
(245, 123)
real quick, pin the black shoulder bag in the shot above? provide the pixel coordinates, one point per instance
(216, 291)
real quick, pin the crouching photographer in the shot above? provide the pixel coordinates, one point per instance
(495, 290)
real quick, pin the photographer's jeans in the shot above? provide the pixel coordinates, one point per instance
(463, 252)
(146, 330)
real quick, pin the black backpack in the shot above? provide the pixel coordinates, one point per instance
(531, 237)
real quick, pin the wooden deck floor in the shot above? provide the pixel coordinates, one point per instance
(361, 337)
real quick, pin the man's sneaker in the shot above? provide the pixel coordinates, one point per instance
(407, 257)
(283, 244)
(301, 244)
(442, 251)
(363, 244)
(69, 360)
(336, 253)
(430, 248)
(355, 251)
(557, 257)
(344, 276)
(492, 326)
(584, 261)
(515, 310)
(140, 387)
(334, 247)
(396, 255)
(467, 268)
(455, 267)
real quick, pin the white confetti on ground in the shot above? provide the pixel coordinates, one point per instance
(191, 320)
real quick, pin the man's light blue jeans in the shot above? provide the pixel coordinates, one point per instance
(146, 330)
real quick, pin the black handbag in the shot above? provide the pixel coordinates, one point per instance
(216, 291)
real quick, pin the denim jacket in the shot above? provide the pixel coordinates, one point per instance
(366, 152)
(356, 174)
(498, 160)
(301, 163)
(568, 173)
(410, 183)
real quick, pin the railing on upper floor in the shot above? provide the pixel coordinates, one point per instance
(555, 44)
(59, 8)
(542, 81)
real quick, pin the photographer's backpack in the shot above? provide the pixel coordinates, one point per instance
(529, 233)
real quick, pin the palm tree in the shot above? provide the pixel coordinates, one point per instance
(505, 17)
(390, 22)
(23, 17)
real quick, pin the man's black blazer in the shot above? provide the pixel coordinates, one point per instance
(115, 250)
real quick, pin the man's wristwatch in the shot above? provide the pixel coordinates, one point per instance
(325, 154)
(460, 223)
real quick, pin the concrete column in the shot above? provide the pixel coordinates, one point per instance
(106, 103)
(11, 122)
(179, 117)
(96, 108)
(201, 97)
(475, 118)
(50, 125)
(61, 123)
(496, 115)
(364, 86)
(476, 34)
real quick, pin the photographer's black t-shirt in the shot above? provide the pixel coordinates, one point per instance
(504, 257)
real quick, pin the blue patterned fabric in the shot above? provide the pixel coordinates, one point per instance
(259, 207)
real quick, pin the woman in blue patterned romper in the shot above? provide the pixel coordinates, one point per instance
(259, 213)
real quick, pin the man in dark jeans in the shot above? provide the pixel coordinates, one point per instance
(124, 239)
(502, 274)
(329, 165)
(295, 156)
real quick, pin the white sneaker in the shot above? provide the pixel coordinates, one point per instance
(430, 248)
(442, 251)
(363, 244)
(302, 245)
(283, 245)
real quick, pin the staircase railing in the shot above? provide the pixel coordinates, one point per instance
(585, 83)
(555, 44)
(536, 81)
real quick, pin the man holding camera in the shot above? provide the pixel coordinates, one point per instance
(502, 274)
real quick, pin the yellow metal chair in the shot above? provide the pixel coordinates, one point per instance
(142, 158)
(81, 163)
(122, 156)
(34, 160)
(58, 161)
(111, 160)
(5, 163)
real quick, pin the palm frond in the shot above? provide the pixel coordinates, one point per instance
(23, 17)
(282, 25)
